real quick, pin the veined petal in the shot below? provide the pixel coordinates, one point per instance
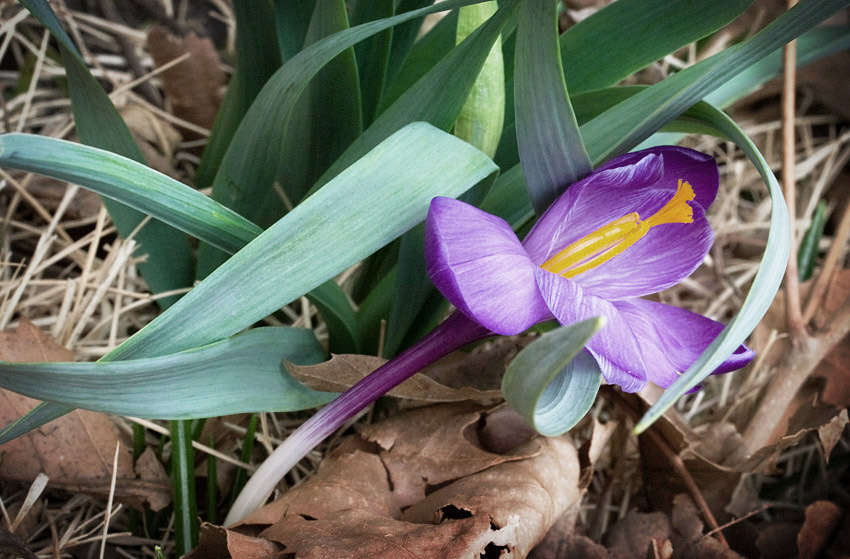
(614, 347)
(671, 339)
(479, 265)
(666, 255)
(591, 203)
(696, 167)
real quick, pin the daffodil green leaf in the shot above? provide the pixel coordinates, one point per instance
(553, 382)
(620, 39)
(131, 183)
(764, 286)
(624, 126)
(169, 261)
(237, 375)
(550, 146)
(256, 60)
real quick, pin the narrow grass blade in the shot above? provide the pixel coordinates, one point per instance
(553, 382)
(237, 375)
(550, 146)
(245, 456)
(807, 256)
(183, 487)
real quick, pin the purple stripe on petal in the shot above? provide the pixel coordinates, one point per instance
(671, 339)
(614, 346)
(479, 265)
(588, 205)
(680, 163)
(665, 256)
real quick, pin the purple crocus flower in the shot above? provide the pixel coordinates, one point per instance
(631, 228)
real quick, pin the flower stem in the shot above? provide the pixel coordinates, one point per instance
(454, 333)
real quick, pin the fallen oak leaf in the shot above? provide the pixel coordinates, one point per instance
(75, 451)
(342, 371)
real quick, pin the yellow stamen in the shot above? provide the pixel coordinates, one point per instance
(613, 238)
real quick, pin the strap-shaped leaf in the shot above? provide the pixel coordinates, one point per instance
(373, 55)
(437, 97)
(622, 38)
(251, 162)
(131, 183)
(553, 382)
(169, 262)
(256, 61)
(624, 126)
(240, 374)
(550, 146)
(336, 227)
(765, 284)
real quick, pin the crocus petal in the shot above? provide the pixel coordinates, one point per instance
(671, 339)
(589, 204)
(696, 167)
(479, 265)
(665, 256)
(614, 346)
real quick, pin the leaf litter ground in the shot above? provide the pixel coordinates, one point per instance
(64, 269)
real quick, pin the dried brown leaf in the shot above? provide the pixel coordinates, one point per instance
(430, 446)
(194, 85)
(478, 501)
(76, 451)
(830, 433)
(822, 519)
(218, 543)
(343, 371)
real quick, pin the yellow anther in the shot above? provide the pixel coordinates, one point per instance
(615, 237)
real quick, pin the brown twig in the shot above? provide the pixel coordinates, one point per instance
(797, 365)
(681, 470)
(796, 326)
